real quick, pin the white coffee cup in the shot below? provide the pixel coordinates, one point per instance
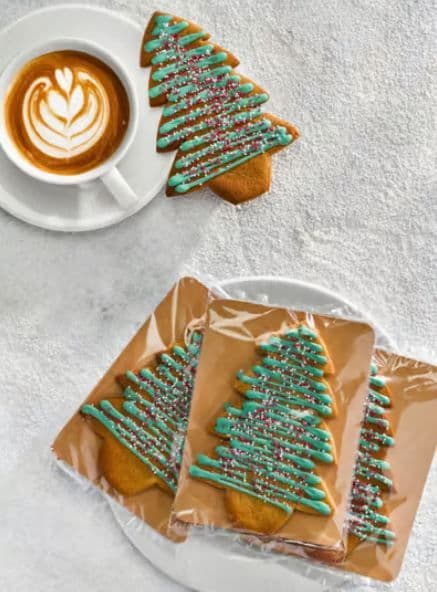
(107, 171)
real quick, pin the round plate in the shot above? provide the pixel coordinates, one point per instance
(62, 208)
(213, 564)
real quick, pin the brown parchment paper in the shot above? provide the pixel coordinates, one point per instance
(183, 309)
(234, 329)
(413, 419)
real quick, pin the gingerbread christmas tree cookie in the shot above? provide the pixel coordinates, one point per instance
(372, 482)
(149, 422)
(127, 437)
(274, 423)
(273, 442)
(212, 115)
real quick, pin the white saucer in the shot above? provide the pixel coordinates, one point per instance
(61, 208)
(214, 564)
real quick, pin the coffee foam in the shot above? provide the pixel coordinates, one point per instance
(67, 112)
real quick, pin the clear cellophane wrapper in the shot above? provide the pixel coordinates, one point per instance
(209, 553)
(82, 444)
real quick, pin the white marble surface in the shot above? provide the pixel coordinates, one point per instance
(352, 207)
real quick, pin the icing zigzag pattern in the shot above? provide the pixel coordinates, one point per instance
(152, 420)
(367, 522)
(212, 115)
(274, 441)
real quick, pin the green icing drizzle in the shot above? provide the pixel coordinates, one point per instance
(366, 521)
(273, 442)
(213, 103)
(153, 420)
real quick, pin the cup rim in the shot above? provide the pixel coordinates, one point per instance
(60, 44)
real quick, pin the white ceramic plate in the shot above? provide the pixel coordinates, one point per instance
(212, 564)
(62, 208)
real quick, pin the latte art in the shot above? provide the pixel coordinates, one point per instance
(64, 117)
(70, 112)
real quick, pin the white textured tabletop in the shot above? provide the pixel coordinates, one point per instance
(352, 207)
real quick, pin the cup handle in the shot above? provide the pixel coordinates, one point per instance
(120, 189)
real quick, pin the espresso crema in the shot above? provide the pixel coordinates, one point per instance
(67, 112)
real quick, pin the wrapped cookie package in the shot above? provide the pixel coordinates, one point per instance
(127, 437)
(285, 432)
(274, 423)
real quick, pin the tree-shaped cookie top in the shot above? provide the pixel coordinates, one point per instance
(212, 115)
(367, 520)
(151, 420)
(274, 441)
